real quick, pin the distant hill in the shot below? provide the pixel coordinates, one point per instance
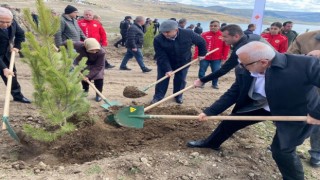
(312, 17)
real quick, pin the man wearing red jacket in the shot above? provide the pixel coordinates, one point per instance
(94, 29)
(276, 39)
(213, 40)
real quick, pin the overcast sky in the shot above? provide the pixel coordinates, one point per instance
(280, 5)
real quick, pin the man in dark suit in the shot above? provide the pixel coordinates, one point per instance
(173, 50)
(10, 34)
(270, 83)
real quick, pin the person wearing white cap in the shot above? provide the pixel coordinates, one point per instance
(91, 49)
(173, 50)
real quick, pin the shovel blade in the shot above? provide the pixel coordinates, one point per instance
(108, 104)
(124, 117)
(9, 129)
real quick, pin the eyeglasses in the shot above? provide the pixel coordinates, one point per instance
(246, 65)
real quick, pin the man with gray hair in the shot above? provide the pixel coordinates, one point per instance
(173, 50)
(267, 84)
(11, 36)
(134, 45)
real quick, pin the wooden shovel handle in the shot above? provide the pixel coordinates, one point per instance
(167, 98)
(95, 89)
(233, 118)
(8, 90)
(180, 68)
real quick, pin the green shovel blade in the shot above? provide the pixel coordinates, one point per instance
(108, 104)
(132, 116)
(12, 133)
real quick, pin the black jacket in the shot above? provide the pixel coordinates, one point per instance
(198, 30)
(247, 31)
(172, 54)
(134, 36)
(290, 86)
(124, 26)
(16, 37)
(233, 59)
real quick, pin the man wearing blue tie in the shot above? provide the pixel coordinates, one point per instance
(10, 33)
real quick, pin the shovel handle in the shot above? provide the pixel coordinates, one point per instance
(8, 90)
(167, 98)
(233, 118)
(95, 89)
(173, 72)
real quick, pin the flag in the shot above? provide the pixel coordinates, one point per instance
(257, 15)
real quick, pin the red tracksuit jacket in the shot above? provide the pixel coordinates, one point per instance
(94, 29)
(279, 41)
(214, 40)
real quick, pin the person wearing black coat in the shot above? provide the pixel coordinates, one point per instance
(173, 50)
(134, 45)
(232, 34)
(269, 83)
(11, 37)
(124, 26)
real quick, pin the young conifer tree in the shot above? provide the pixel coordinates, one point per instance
(58, 91)
(148, 41)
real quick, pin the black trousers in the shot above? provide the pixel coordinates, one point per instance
(287, 160)
(179, 83)
(123, 39)
(98, 83)
(15, 88)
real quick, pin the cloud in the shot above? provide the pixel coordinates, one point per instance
(279, 5)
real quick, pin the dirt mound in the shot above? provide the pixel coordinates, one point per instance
(133, 92)
(103, 140)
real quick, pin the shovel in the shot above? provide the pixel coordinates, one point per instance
(5, 117)
(128, 91)
(111, 119)
(107, 102)
(134, 117)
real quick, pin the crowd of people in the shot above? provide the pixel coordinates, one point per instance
(277, 72)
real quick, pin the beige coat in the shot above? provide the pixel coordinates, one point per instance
(305, 43)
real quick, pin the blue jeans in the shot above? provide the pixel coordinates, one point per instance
(315, 143)
(130, 54)
(215, 66)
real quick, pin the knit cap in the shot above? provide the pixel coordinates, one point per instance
(168, 25)
(91, 44)
(70, 9)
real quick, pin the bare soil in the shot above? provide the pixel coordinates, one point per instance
(133, 92)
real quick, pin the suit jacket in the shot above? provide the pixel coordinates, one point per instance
(16, 36)
(290, 86)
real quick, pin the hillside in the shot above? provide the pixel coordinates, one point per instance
(305, 17)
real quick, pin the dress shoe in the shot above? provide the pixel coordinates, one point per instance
(154, 101)
(314, 162)
(146, 70)
(201, 144)
(109, 66)
(179, 100)
(98, 98)
(215, 86)
(23, 100)
(125, 68)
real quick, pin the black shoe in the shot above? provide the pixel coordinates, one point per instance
(215, 87)
(179, 100)
(98, 98)
(146, 70)
(201, 144)
(154, 101)
(109, 66)
(23, 100)
(125, 68)
(116, 45)
(314, 162)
